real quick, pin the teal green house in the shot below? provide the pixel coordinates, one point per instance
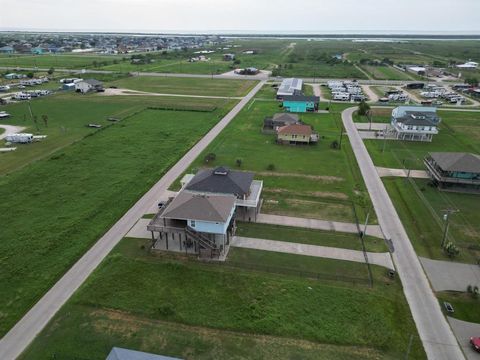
(300, 103)
(37, 51)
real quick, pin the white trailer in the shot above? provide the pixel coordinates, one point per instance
(341, 96)
(19, 138)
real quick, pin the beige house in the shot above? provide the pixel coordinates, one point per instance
(296, 134)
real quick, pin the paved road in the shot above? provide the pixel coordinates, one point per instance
(464, 331)
(436, 335)
(381, 259)
(128, 92)
(18, 338)
(372, 230)
(449, 275)
(220, 76)
(10, 129)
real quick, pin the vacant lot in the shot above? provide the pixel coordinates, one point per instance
(194, 306)
(187, 86)
(69, 114)
(309, 181)
(309, 236)
(57, 207)
(72, 61)
(386, 73)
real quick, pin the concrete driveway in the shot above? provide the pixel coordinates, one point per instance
(449, 275)
(464, 331)
(10, 129)
(381, 259)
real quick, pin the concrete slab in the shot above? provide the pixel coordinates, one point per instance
(463, 332)
(449, 275)
(139, 230)
(372, 230)
(164, 197)
(372, 126)
(381, 259)
(418, 174)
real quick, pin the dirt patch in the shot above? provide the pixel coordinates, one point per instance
(381, 112)
(324, 178)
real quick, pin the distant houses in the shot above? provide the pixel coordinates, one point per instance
(452, 171)
(201, 219)
(414, 123)
(300, 103)
(85, 86)
(7, 50)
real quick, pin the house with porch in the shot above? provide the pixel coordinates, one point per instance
(297, 134)
(300, 103)
(201, 218)
(414, 123)
(272, 123)
(454, 171)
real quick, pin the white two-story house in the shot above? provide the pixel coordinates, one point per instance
(415, 123)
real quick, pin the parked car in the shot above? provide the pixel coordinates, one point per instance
(448, 307)
(475, 341)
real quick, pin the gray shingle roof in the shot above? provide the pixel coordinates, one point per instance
(456, 161)
(286, 118)
(222, 181)
(93, 82)
(202, 207)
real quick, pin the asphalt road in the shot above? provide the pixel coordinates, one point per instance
(437, 337)
(211, 76)
(20, 336)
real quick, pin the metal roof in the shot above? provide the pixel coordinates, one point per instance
(457, 161)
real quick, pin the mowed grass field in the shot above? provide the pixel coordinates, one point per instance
(419, 205)
(55, 208)
(139, 300)
(68, 61)
(70, 113)
(308, 181)
(186, 86)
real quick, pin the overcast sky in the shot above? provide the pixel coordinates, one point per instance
(314, 16)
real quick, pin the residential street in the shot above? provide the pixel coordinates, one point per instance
(20, 336)
(436, 335)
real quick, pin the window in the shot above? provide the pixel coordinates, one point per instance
(192, 223)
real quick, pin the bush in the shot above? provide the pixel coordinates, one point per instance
(335, 144)
(210, 157)
(271, 167)
(363, 108)
(30, 75)
(51, 71)
(451, 250)
(239, 162)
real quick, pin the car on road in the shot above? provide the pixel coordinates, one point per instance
(475, 341)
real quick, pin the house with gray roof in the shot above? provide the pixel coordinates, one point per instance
(201, 218)
(289, 86)
(415, 123)
(272, 123)
(454, 171)
(87, 85)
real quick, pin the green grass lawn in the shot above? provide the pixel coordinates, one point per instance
(386, 73)
(419, 205)
(310, 181)
(69, 113)
(309, 236)
(194, 304)
(467, 308)
(57, 207)
(71, 61)
(187, 86)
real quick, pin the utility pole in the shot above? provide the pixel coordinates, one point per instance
(384, 139)
(446, 218)
(369, 117)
